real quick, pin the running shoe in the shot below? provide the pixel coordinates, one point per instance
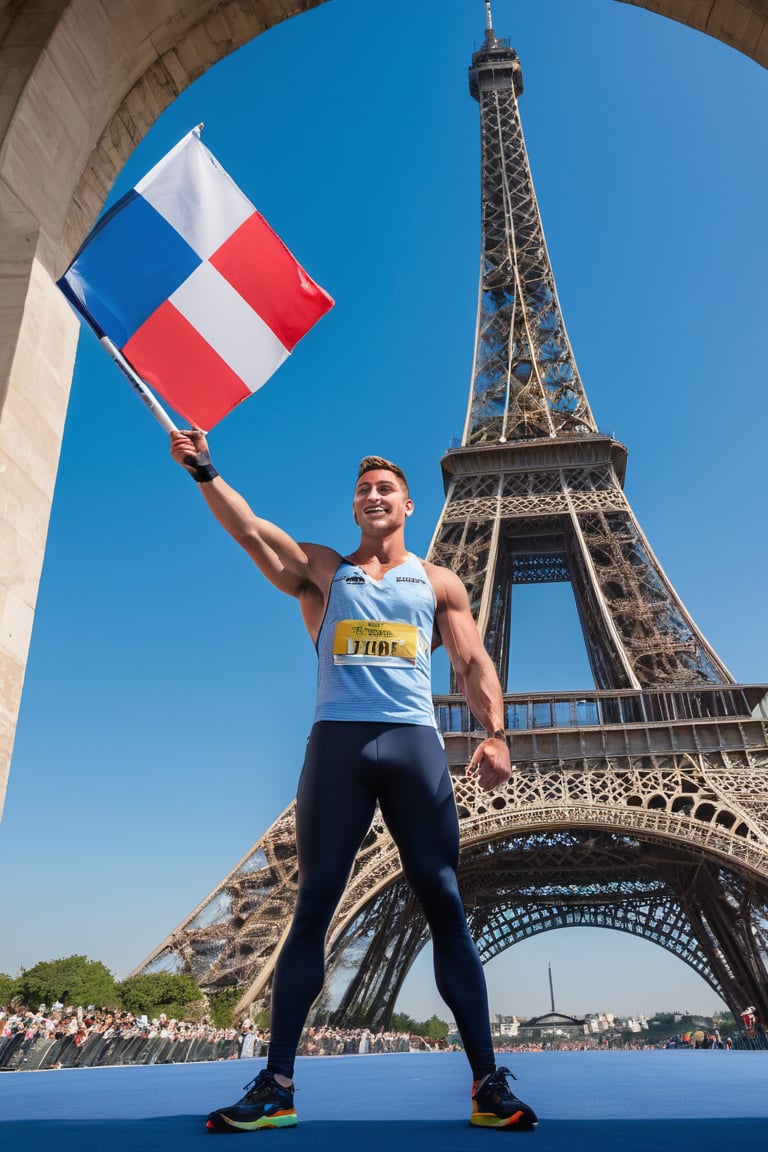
(266, 1104)
(494, 1105)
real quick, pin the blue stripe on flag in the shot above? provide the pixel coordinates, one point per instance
(130, 263)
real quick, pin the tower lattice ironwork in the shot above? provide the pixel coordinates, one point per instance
(641, 806)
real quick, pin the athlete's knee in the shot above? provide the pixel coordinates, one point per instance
(438, 893)
(315, 906)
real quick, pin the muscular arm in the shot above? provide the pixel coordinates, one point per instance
(293, 568)
(476, 674)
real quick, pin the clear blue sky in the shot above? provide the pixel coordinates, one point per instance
(170, 688)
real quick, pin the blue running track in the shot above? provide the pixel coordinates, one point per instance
(684, 1101)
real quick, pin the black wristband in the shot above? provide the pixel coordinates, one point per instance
(201, 469)
(203, 473)
(499, 734)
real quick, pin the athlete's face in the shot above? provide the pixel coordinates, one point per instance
(380, 502)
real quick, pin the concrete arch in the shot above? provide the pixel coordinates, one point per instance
(81, 83)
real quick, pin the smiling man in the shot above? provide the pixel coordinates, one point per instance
(374, 617)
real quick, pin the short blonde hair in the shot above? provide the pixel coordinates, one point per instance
(371, 463)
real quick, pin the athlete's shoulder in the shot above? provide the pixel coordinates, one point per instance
(323, 563)
(438, 574)
(321, 552)
(447, 586)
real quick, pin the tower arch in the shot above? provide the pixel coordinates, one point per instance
(574, 843)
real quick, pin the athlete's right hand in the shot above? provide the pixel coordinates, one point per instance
(490, 764)
(188, 447)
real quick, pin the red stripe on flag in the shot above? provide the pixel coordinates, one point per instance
(172, 356)
(259, 266)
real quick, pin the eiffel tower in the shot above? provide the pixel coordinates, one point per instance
(641, 806)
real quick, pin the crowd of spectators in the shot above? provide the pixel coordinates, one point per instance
(67, 1037)
(71, 1036)
(58, 1022)
(603, 1044)
(62, 1036)
(699, 1039)
(345, 1041)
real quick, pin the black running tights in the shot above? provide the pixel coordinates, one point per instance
(348, 767)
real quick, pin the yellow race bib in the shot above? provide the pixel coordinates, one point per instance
(375, 642)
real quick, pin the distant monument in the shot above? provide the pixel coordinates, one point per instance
(553, 1021)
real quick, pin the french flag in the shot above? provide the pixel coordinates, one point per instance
(193, 287)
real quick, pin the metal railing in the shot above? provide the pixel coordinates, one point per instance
(20, 1052)
(603, 708)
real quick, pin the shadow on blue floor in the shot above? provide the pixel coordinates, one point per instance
(176, 1132)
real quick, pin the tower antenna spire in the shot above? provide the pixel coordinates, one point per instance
(488, 17)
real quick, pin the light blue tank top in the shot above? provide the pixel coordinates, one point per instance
(374, 646)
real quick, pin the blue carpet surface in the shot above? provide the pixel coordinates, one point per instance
(585, 1100)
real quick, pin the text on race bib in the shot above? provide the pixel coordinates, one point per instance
(375, 642)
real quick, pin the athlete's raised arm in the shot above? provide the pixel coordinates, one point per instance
(476, 673)
(292, 567)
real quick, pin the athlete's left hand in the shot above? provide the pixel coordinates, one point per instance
(490, 764)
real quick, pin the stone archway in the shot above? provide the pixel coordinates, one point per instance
(82, 83)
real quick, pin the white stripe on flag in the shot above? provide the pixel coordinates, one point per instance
(196, 196)
(231, 327)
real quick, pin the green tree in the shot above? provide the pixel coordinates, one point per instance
(72, 980)
(8, 989)
(432, 1029)
(156, 992)
(435, 1028)
(223, 1007)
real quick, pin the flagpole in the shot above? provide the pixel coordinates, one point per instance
(144, 393)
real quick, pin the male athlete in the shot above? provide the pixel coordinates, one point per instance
(374, 617)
